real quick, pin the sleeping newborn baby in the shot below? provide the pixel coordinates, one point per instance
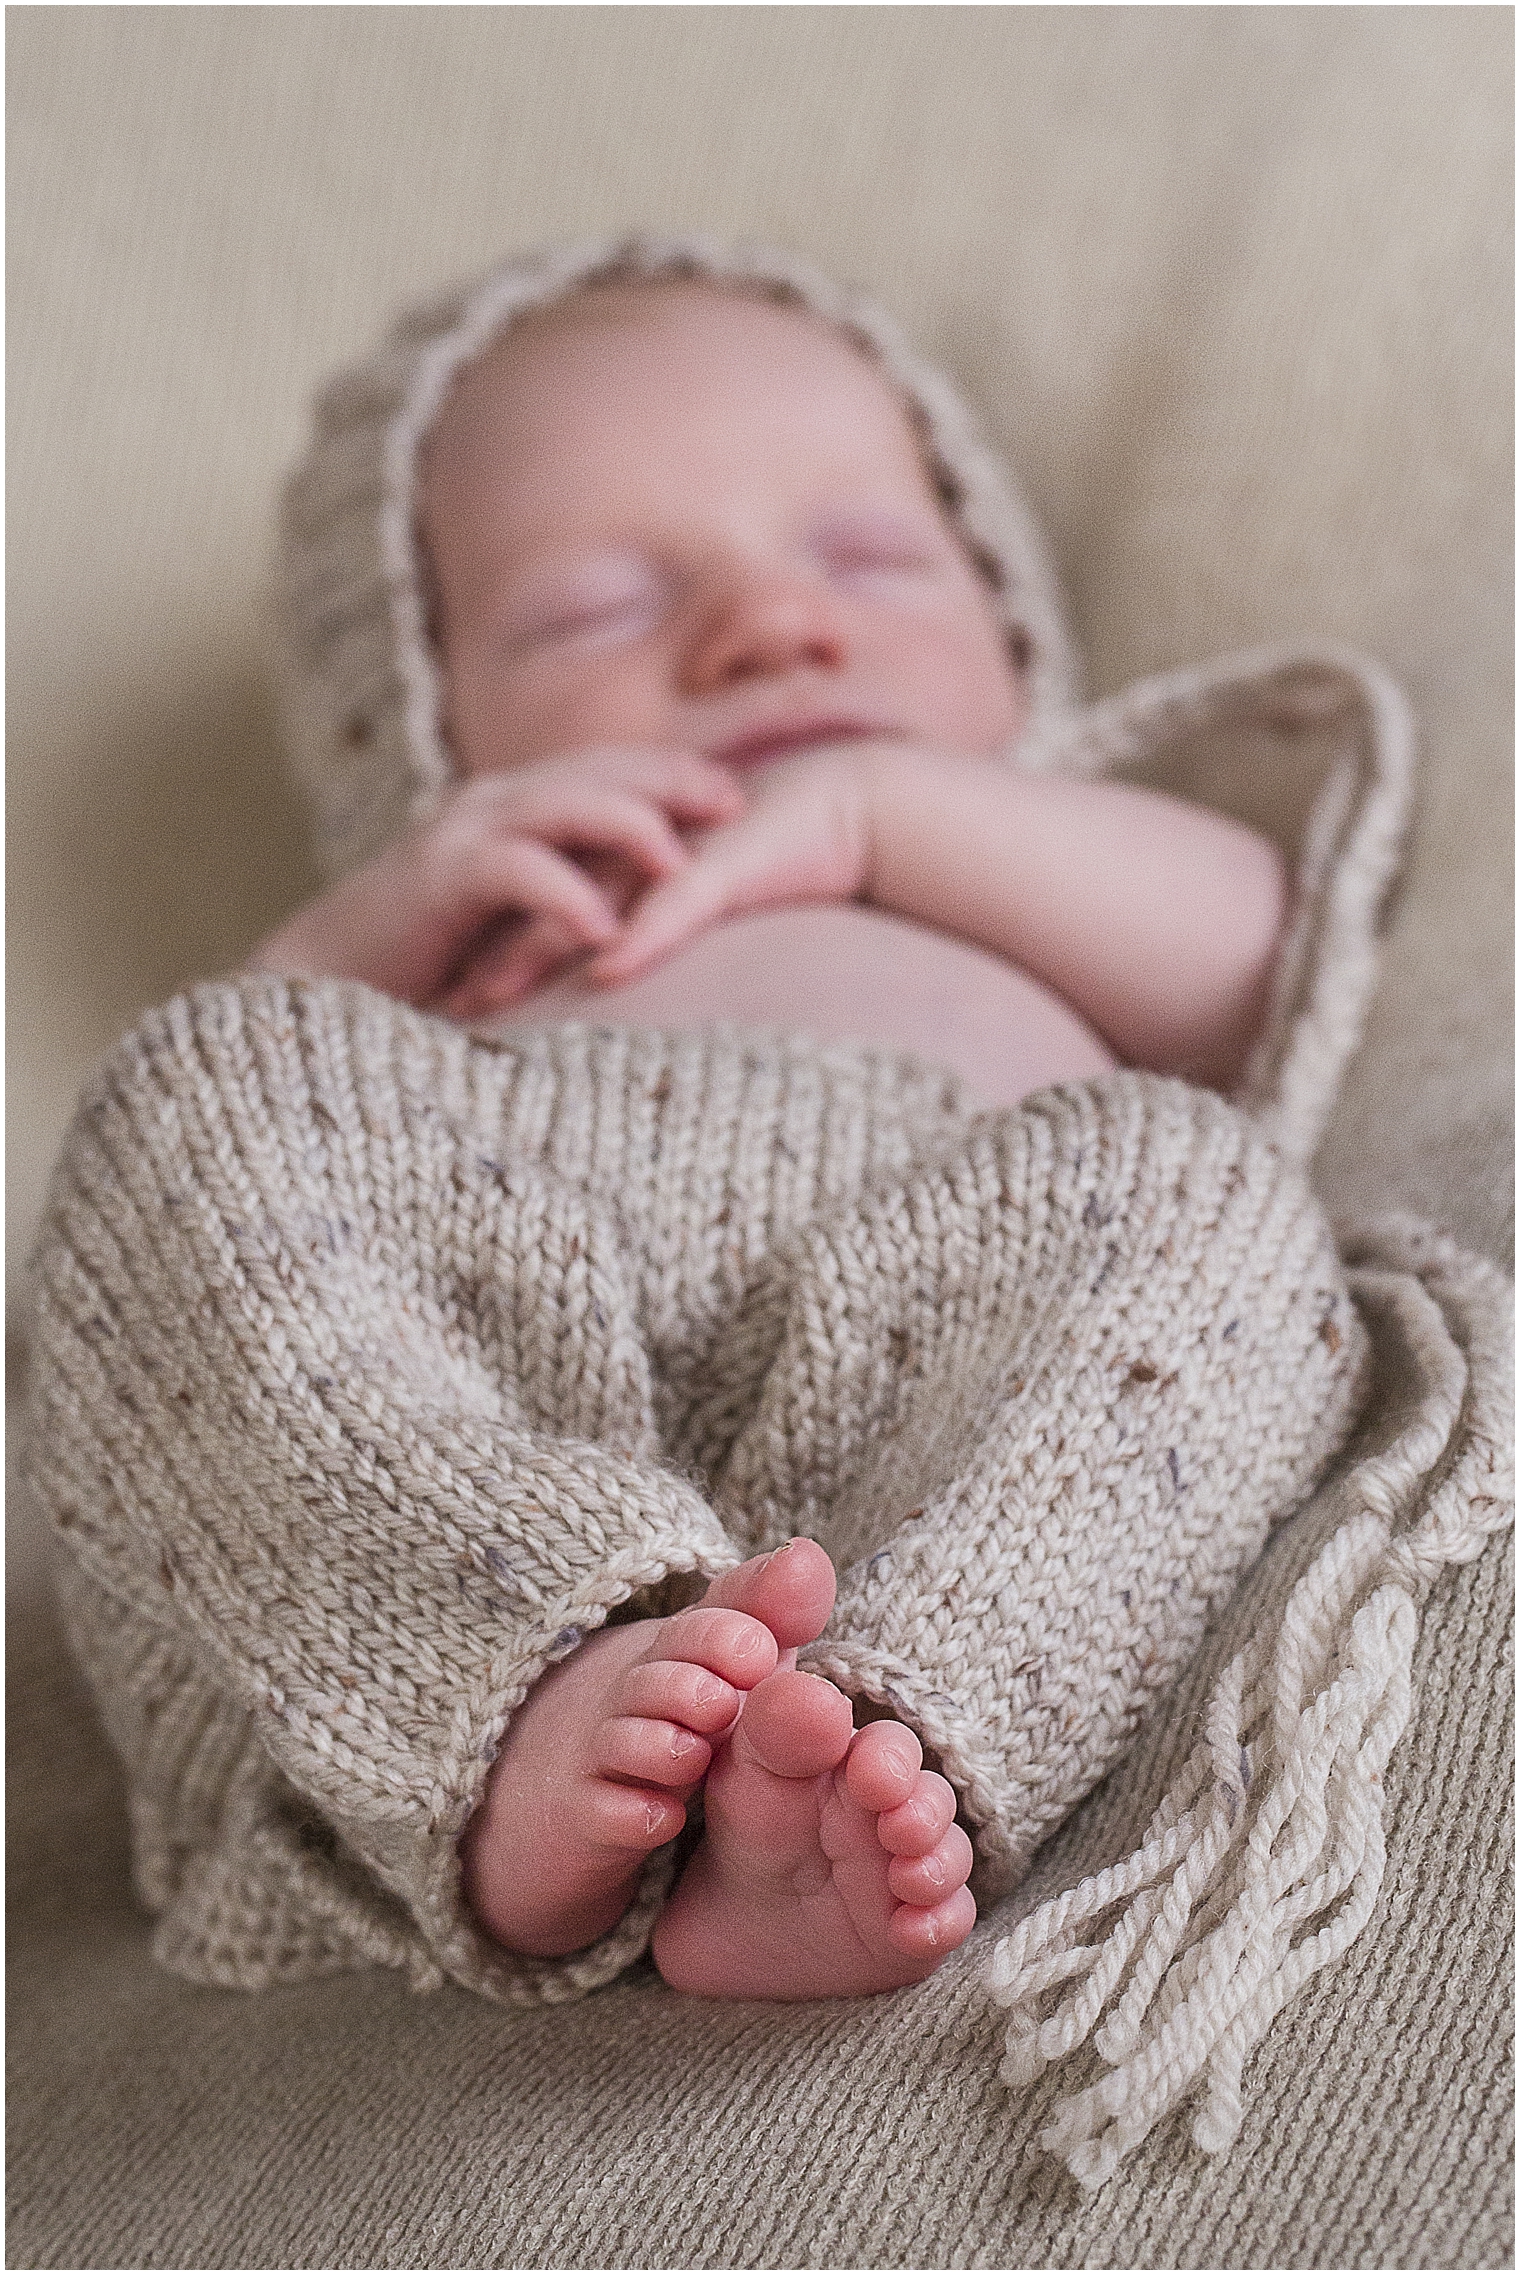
(729, 706)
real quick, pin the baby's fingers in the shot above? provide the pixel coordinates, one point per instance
(615, 822)
(671, 913)
(518, 875)
(687, 786)
(613, 797)
(699, 790)
(509, 968)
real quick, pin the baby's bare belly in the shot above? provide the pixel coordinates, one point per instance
(846, 973)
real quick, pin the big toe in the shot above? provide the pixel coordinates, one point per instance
(791, 1590)
(795, 1725)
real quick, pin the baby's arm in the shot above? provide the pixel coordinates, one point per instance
(1156, 920)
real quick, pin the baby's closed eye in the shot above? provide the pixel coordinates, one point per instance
(616, 596)
(872, 549)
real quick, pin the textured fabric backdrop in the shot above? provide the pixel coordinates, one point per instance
(1233, 287)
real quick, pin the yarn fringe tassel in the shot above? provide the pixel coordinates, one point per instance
(1263, 1863)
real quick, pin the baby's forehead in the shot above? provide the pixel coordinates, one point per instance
(703, 329)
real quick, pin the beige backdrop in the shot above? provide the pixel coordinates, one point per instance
(1233, 286)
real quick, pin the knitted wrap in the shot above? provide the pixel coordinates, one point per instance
(376, 1365)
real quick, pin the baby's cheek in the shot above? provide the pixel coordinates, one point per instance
(966, 692)
(501, 715)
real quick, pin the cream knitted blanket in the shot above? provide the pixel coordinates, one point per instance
(377, 1364)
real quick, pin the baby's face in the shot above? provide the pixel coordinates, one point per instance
(668, 517)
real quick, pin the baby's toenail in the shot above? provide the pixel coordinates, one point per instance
(934, 1870)
(682, 1741)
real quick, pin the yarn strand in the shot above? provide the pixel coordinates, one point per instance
(1264, 1862)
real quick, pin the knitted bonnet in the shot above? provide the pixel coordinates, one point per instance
(360, 684)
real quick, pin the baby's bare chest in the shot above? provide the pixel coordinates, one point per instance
(847, 973)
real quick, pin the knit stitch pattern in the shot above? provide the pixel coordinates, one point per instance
(376, 1364)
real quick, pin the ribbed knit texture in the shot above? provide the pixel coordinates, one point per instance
(1264, 1861)
(348, 2124)
(376, 1364)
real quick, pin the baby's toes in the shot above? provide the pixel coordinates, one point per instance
(936, 1930)
(918, 1824)
(632, 1817)
(648, 1752)
(885, 1764)
(678, 1690)
(791, 1591)
(928, 1880)
(741, 1651)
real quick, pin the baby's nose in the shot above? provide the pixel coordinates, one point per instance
(758, 625)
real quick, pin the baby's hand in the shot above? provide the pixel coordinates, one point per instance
(804, 835)
(504, 846)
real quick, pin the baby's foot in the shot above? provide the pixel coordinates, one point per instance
(602, 1756)
(831, 1863)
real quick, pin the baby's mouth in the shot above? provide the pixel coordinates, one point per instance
(767, 743)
